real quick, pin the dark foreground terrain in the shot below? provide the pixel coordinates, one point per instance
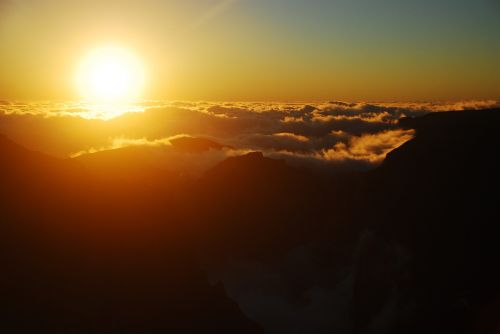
(107, 244)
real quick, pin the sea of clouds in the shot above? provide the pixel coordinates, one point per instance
(327, 135)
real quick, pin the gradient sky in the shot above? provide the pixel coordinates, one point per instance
(294, 50)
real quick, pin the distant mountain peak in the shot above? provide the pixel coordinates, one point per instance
(195, 144)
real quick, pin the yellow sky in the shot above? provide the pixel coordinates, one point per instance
(256, 50)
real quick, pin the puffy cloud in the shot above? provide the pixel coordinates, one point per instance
(369, 147)
(121, 142)
(291, 136)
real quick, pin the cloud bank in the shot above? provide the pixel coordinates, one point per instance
(331, 134)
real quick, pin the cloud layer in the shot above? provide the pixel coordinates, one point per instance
(334, 133)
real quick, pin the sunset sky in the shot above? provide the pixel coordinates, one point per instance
(249, 50)
(249, 166)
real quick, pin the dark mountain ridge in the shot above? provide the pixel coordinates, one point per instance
(412, 245)
(81, 256)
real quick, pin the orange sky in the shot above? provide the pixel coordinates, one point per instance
(259, 50)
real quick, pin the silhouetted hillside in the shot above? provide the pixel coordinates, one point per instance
(255, 205)
(168, 165)
(191, 144)
(114, 242)
(431, 207)
(415, 237)
(80, 256)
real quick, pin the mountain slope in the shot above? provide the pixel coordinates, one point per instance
(433, 203)
(78, 255)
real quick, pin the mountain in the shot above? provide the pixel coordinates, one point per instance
(169, 166)
(446, 177)
(195, 145)
(413, 242)
(252, 204)
(115, 242)
(431, 206)
(78, 255)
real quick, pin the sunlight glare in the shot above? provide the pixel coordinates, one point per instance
(110, 75)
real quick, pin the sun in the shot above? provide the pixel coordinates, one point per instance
(110, 74)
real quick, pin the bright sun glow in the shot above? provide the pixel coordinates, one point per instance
(110, 75)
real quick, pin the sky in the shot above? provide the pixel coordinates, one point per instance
(256, 50)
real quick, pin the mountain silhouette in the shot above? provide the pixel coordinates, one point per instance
(112, 242)
(77, 257)
(419, 230)
(434, 198)
(195, 144)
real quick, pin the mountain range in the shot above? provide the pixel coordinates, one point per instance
(111, 242)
